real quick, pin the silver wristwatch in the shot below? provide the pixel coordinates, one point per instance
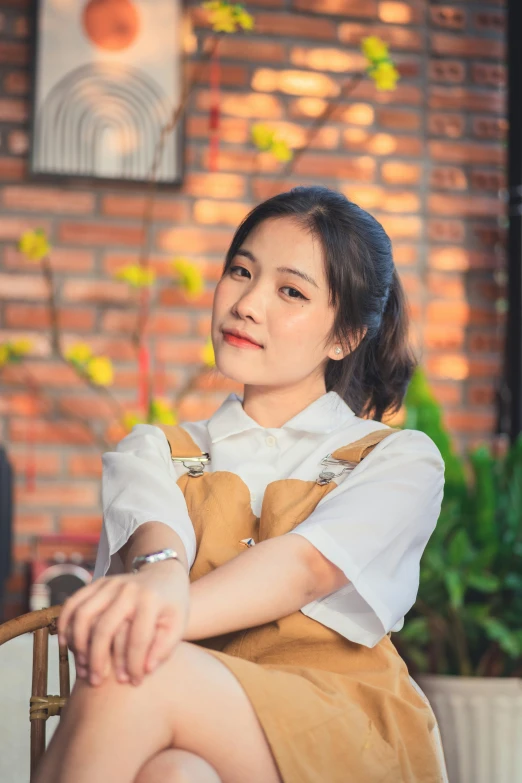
(154, 557)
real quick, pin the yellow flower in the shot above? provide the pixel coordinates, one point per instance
(80, 353)
(207, 354)
(99, 370)
(4, 354)
(374, 48)
(226, 18)
(385, 76)
(131, 419)
(136, 275)
(162, 413)
(190, 276)
(34, 245)
(281, 151)
(20, 347)
(262, 136)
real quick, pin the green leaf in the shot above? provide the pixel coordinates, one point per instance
(416, 630)
(459, 550)
(455, 587)
(486, 583)
(508, 640)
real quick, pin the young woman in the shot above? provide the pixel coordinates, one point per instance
(259, 649)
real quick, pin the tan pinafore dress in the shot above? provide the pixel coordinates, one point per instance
(333, 711)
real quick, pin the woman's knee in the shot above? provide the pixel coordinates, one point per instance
(177, 766)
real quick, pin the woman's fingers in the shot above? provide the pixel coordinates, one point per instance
(119, 651)
(166, 637)
(78, 630)
(141, 634)
(123, 607)
(73, 602)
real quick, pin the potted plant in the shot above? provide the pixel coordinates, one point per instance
(463, 638)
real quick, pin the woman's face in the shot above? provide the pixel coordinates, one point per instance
(274, 292)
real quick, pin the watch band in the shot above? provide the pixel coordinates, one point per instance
(153, 557)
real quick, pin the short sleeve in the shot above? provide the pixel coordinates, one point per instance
(374, 526)
(139, 485)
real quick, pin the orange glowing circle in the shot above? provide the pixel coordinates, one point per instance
(111, 24)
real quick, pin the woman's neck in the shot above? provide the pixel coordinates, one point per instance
(272, 407)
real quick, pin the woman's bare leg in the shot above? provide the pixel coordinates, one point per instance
(191, 702)
(177, 766)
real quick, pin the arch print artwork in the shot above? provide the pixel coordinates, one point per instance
(108, 76)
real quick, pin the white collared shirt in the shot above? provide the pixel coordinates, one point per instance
(374, 525)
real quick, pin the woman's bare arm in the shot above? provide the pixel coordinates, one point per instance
(151, 537)
(266, 582)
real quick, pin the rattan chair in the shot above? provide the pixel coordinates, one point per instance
(41, 705)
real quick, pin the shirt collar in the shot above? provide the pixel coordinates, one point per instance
(324, 415)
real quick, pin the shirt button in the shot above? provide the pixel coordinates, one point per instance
(270, 441)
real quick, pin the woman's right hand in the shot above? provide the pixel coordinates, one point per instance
(130, 621)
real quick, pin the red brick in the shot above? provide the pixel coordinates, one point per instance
(128, 379)
(50, 373)
(22, 287)
(489, 74)
(393, 12)
(89, 408)
(254, 105)
(462, 99)
(485, 342)
(399, 173)
(449, 17)
(196, 407)
(12, 53)
(446, 393)
(96, 291)
(33, 524)
(460, 259)
(213, 185)
(23, 404)
(62, 259)
(404, 94)
(401, 227)
(490, 22)
(443, 337)
(80, 524)
(180, 351)
(12, 110)
(50, 432)
(100, 234)
(449, 286)
(193, 240)
(55, 494)
(450, 71)
(174, 297)
(249, 49)
(232, 130)
(448, 178)
(211, 212)
(21, 27)
(467, 46)
(116, 205)
(360, 140)
(398, 119)
(158, 322)
(494, 128)
(484, 179)
(470, 421)
(399, 38)
(247, 161)
(481, 394)
(465, 152)
(18, 316)
(352, 8)
(13, 227)
(374, 197)
(359, 168)
(84, 465)
(16, 83)
(12, 169)
(465, 206)
(292, 25)
(229, 75)
(47, 463)
(446, 230)
(405, 255)
(18, 142)
(39, 199)
(452, 125)
(489, 235)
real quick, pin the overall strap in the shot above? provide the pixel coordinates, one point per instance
(360, 449)
(180, 442)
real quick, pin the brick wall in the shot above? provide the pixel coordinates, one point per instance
(427, 160)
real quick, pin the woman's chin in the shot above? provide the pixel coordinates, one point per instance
(236, 369)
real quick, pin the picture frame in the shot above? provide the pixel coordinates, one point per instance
(107, 77)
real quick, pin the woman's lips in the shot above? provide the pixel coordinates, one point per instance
(239, 342)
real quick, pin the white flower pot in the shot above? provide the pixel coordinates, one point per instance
(480, 721)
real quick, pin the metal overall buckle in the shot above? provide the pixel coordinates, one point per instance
(195, 465)
(326, 476)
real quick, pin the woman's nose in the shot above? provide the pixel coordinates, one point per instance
(250, 306)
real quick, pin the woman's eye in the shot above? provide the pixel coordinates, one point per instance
(234, 269)
(295, 295)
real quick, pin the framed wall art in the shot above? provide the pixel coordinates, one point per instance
(107, 78)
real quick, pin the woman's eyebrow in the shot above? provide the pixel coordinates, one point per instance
(288, 269)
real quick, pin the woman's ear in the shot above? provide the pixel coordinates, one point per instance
(340, 349)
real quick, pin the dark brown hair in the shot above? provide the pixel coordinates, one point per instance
(365, 291)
